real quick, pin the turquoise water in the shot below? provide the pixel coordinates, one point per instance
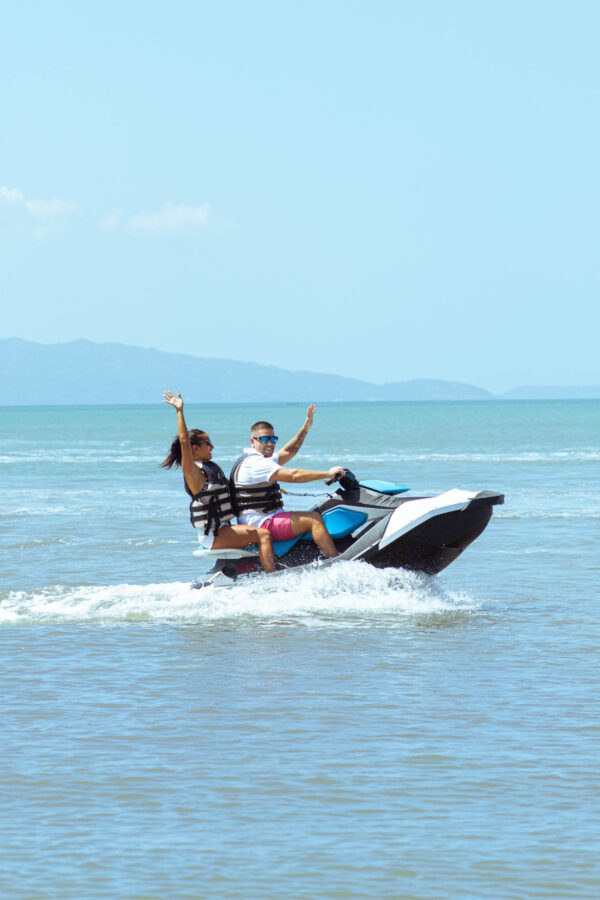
(345, 733)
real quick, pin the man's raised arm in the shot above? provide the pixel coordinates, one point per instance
(292, 446)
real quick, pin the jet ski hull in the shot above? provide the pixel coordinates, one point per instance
(422, 534)
(431, 546)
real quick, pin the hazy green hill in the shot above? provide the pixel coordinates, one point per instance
(82, 372)
(85, 372)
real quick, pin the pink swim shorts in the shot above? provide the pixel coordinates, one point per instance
(279, 526)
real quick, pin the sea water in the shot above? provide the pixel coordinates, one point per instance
(345, 732)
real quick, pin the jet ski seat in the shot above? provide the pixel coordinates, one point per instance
(339, 521)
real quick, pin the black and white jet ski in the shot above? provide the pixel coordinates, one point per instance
(376, 522)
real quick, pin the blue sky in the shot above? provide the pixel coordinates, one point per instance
(387, 190)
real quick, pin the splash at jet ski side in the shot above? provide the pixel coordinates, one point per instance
(381, 524)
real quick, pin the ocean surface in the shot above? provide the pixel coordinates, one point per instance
(343, 733)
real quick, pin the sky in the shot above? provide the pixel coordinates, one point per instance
(384, 190)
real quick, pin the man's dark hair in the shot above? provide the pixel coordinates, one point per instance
(258, 425)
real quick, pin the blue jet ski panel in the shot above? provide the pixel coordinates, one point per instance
(384, 487)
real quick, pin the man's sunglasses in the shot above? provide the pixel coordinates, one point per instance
(267, 438)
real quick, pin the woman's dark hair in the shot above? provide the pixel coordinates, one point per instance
(173, 457)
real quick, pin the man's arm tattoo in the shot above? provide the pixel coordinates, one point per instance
(296, 442)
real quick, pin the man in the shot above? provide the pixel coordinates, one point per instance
(256, 475)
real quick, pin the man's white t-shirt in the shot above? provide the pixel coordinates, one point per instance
(254, 470)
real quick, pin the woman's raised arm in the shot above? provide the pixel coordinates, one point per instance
(192, 473)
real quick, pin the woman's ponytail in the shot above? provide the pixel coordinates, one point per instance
(173, 457)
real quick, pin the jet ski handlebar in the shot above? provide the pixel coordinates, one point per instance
(347, 481)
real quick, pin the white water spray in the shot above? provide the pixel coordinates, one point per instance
(343, 594)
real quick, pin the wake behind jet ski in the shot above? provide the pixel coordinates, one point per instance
(377, 523)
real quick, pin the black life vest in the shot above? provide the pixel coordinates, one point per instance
(212, 507)
(264, 497)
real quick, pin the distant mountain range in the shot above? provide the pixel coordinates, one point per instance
(82, 372)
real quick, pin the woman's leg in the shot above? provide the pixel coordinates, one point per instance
(239, 536)
(313, 522)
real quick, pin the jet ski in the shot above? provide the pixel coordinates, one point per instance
(380, 523)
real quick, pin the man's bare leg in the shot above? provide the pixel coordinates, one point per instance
(313, 522)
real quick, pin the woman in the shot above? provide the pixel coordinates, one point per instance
(211, 509)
